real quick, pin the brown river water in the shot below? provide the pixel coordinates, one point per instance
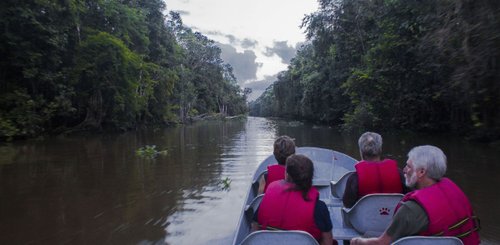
(94, 189)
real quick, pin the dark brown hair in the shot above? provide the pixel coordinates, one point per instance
(283, 147)
(301, 170)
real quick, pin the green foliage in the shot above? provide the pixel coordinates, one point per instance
(412, 64)
(205, 84)
(362, 118)
(149, 151)
(104, 65)
(20, 114)
(226, 184)
(73, 65)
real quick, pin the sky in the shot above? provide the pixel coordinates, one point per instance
(258, 38)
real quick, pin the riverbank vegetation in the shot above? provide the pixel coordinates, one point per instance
(430, 65)
(77, 65)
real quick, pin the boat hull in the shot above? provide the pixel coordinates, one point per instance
(329, 166)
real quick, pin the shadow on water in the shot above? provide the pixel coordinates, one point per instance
(93, 189)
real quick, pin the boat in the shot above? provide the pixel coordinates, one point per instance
(329, 166)
(368, 217)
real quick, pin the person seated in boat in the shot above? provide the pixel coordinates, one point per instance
(293, 203)
(284, 146)
(373, 175)
(437, 207)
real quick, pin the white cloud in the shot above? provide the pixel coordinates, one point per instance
(244, 63)
(256, 25)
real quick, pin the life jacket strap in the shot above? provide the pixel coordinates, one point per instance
(267, 227)
(476, 227)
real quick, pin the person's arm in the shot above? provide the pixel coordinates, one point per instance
(326, 238)
(351, 191)
(324, 223)
(262, 185)
(383, 239)
(255, 227)
(410, 219)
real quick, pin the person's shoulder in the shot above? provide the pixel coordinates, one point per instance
(275, 165)
(322, 217)
(389, 160)
(275, 184)
(320, 209)
(412, 206)
(360, 163)
(353, 177)
(320, 203)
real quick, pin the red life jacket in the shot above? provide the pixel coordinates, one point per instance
(446, 206)
(274, 172)
(378, 177)
(285, 209)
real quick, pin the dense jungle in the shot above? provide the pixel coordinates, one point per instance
(83, 65)
(418, 65)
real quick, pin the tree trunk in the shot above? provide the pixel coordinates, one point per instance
(95, 113)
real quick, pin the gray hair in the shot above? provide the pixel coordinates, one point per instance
(370, 145)
(430, 158)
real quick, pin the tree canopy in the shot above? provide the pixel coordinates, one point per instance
(395, 64)
(93, 64)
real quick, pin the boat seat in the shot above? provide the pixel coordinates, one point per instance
(428, 240)
(338, 187)
(252, 207)
(372, 214)
(323, 173)
(316, 154)
(279, 237)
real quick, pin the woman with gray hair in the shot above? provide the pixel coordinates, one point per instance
(373, 175)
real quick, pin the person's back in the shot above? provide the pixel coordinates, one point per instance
(373, 175)
(284, 209)
(282, 148)
(293, 203)
(274, 172)
(378, 177)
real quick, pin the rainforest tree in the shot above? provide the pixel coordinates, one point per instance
(94, 64)
(394, 64)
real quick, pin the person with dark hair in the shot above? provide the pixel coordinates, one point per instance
(293, 203)
(373, 175)
(438, 207)
(283, 147)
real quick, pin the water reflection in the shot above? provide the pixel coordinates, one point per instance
(93, 189)
(214, 221)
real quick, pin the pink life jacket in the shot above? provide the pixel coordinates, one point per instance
(378, 177)
(448, 210)
(274, 172)
(285, 209)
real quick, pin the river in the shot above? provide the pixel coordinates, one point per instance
(94, 189)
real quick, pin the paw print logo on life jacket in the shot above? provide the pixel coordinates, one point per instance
(384, 211)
